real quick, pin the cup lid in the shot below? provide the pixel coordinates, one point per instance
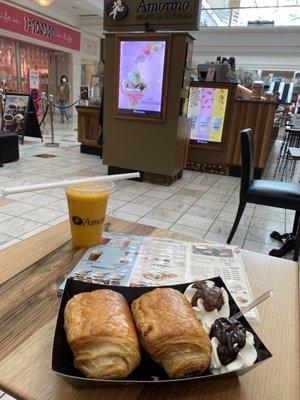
(91, 187)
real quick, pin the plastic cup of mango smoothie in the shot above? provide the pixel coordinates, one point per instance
(87, 210)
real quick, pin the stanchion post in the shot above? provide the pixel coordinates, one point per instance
(44, 108)
(52, 143)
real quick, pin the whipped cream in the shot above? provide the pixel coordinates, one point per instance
(245, 358)
(207, 318)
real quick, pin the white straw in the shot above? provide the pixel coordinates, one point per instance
(51, 185)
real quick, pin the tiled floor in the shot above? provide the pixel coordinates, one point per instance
(5, 396)
(200, 204)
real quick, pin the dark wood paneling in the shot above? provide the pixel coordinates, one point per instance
(257, 115)
(136, 144)
(88, 125)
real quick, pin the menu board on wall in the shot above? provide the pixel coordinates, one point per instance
(207, 109)
(141, 78)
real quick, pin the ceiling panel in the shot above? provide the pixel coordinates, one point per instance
(73, 8)
(79, 7)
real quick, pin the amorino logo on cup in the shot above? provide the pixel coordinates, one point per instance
(117, 10)
(87, 222)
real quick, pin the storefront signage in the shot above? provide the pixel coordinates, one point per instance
(39, 28)
(132, 15)
(15, 20)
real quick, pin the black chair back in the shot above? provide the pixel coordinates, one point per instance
(247, 160)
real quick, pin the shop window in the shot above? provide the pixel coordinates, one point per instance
(40, 58)
(17, 58)
(8, 67)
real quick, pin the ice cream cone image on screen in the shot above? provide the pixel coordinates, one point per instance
(133, 88)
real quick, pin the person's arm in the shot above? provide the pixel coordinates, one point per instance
(58, 95)
(68, 92)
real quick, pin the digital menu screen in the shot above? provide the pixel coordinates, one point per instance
(141, 77)
(207, 108)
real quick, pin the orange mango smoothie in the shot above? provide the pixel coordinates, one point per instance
(87, 210)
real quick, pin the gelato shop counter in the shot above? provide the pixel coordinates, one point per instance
(88, 129)
(217, 113)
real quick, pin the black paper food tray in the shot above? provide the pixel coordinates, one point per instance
(148, 372)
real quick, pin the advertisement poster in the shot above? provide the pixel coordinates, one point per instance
(207, 108)
(34, 79)
(15, 113)
(141, 77)
(84, 93)
(210, 76)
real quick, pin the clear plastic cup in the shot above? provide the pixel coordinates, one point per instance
(87, 210)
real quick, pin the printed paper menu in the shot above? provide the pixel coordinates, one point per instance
(129, 260)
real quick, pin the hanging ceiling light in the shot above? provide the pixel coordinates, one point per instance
(44, 3)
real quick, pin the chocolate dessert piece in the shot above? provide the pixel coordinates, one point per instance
(212, 297)
(95, 254)
(232, 337)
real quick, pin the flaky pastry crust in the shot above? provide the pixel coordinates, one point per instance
(171, 333)
(102, 335)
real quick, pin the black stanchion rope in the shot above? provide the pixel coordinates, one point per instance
(45, 114)
(63, 108)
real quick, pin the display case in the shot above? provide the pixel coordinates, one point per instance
(96, 90)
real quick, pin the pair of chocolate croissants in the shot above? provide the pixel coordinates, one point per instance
(102, 333)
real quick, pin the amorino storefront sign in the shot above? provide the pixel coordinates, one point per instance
(132, 15)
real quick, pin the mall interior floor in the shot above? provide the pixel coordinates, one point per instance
(201, 205)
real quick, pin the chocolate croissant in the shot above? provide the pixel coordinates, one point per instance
(102, 335)
(171, 333)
